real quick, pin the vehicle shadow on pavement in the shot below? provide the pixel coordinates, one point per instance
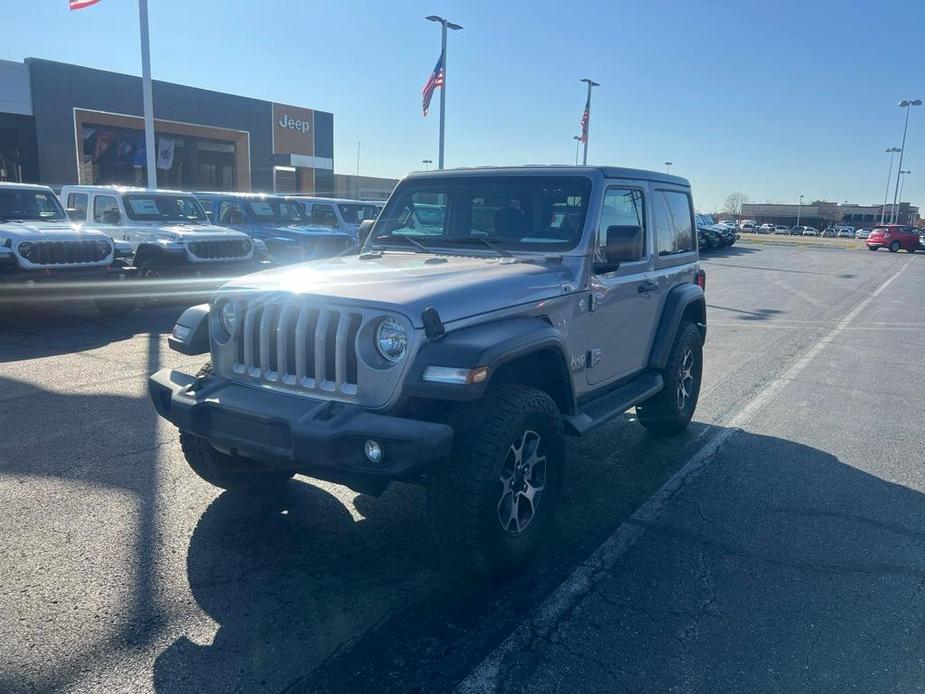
(32, 332)
(290, 578)
(728, 252)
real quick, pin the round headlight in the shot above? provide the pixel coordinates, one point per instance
(391, 340)
(27, 249)
(228, 317)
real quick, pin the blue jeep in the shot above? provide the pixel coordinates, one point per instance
(280, 223)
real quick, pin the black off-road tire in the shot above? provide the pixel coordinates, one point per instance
(225, 471)
(894, 247)
(663, 414)
(466, 494)
(872, 248)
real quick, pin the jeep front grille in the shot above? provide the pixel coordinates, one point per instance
(65, 252)
(292, 343)
(221, 249)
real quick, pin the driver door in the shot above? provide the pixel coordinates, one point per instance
(624, 306)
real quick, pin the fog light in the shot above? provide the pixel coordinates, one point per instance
(373, 451)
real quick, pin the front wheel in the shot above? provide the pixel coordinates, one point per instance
(230, 472)
(872, 248)
(894, 247)
(495, 498)
(669, 411)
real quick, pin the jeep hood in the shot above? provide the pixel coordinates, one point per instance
(458, 287)
(46, 231)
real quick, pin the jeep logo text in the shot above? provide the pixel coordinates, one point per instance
(288, 121)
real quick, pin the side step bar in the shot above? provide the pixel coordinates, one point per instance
(611, 404)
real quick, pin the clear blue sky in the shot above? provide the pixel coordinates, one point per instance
(773, 99)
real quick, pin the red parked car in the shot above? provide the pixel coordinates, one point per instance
(894, 237)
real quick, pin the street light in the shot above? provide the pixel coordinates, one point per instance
(667, 167)
(444, 25)
(906, 104)
(587, 127)
(427, 163)
(577, 139)
(799, 205)
(892, 152)
(901, 174)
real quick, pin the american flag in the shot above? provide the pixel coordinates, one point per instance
(435, 80)
(584, 120)
(80, 4)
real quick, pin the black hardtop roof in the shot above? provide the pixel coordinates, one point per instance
(556, 170)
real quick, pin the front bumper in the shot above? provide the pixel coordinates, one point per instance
(318, 438)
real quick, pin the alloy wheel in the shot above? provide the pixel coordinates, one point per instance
(686, 379)
(523, 479)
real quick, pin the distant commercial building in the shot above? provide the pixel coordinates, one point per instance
(362, 187)
(63, 124)
(821, 214)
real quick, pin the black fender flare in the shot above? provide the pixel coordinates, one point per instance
(190, 335)
(494, 345)
(685, 298)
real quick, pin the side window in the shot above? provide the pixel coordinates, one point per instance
(674, 223)
(230, 212)
(622, 207)
(324, 215)
(78, 202)
(103, 204)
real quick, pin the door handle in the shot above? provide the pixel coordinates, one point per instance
(647, 286)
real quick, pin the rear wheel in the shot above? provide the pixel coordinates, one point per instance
(493, 502)
(670, 410)
(894, 247)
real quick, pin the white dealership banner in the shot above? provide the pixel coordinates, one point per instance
(165, 150)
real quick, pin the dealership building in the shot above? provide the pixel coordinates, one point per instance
(821, 214)
(62, 124)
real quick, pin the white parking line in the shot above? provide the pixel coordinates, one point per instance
(486, 676)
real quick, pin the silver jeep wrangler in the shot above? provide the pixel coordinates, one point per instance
(490, 313)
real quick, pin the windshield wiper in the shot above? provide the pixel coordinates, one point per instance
(485, 242)
(417, 244)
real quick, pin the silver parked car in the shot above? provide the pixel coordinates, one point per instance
(455, 356)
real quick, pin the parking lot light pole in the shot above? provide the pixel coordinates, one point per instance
(799, 205)
(667, 167)
(577, 139)
(444, 25)
(901, 183)
(906, 104)
(892, 152)
(427, 163)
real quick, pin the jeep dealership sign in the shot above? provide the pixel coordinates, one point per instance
(293, 130)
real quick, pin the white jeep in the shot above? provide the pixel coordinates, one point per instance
(39, 243)
(168, 231)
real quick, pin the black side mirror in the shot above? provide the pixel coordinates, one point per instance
(363, 231)
(624, 244)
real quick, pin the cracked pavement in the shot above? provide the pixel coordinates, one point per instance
(791, 560)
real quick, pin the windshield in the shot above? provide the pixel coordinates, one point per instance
(149, 207)
(277, 211)
(30, 204)
(356, 213)
(512, 212)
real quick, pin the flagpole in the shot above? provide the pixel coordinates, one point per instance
(150, 149)
(444, 25)
(442, 96)
(591, 83)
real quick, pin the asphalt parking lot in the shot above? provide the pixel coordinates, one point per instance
(784, 554)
